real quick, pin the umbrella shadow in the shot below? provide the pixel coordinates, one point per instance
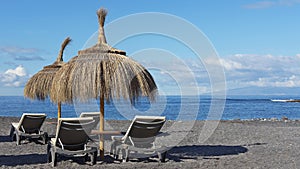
(25, 159)
(207, 151)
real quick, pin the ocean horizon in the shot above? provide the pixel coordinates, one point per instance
(244, 107)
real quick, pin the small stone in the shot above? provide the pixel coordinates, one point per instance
(274, 119)
(284, 118)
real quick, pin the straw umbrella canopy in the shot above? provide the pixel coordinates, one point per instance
(102, 72)
(39, 85)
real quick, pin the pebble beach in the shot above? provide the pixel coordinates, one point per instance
(233, 144)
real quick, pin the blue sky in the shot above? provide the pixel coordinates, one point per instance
(258, 42)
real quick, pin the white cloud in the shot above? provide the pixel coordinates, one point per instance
(230, 65)
(14, 77)
(19, 71)
(268, 4)
(276, 82)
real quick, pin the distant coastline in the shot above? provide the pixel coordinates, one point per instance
(287, 100)
(293, 101)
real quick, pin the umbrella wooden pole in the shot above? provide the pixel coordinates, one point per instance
(58, 110)
(101, 127)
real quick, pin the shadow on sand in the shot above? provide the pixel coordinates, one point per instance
(9, 139)
(25, 159)
(206, 151)
(5, 139)
(193, 152)
(176, 154)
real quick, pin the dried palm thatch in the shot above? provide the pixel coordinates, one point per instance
(102, 69)
(113, 75)
(39, 85)
(102, 72)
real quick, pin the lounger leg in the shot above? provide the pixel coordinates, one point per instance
(12, 131)
(86, 157)
(114, 151)
(112, 148)
(13, 138)
(162, 156)
(125, 154)
(18, 138)
(117, 153)
(49, 159)
(54, 158)
(12, 134)
(45, 138)
(94, 157)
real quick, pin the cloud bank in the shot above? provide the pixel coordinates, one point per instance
(244, 70)
(189, 76)
(241, 71)
(21, 54)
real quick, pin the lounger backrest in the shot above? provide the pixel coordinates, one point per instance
(95, 115)
(31, 123)
(73, 133)
(143, 131)
(90, 114)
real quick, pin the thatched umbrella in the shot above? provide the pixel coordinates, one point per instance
(39, 85)
(102, 72)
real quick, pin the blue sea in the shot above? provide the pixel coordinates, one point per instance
(173, 107)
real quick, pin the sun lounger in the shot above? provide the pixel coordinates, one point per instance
(94, 115)
(72, 139)
(140, 138)
(29, 126)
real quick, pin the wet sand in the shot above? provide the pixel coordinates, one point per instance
(234, 144)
